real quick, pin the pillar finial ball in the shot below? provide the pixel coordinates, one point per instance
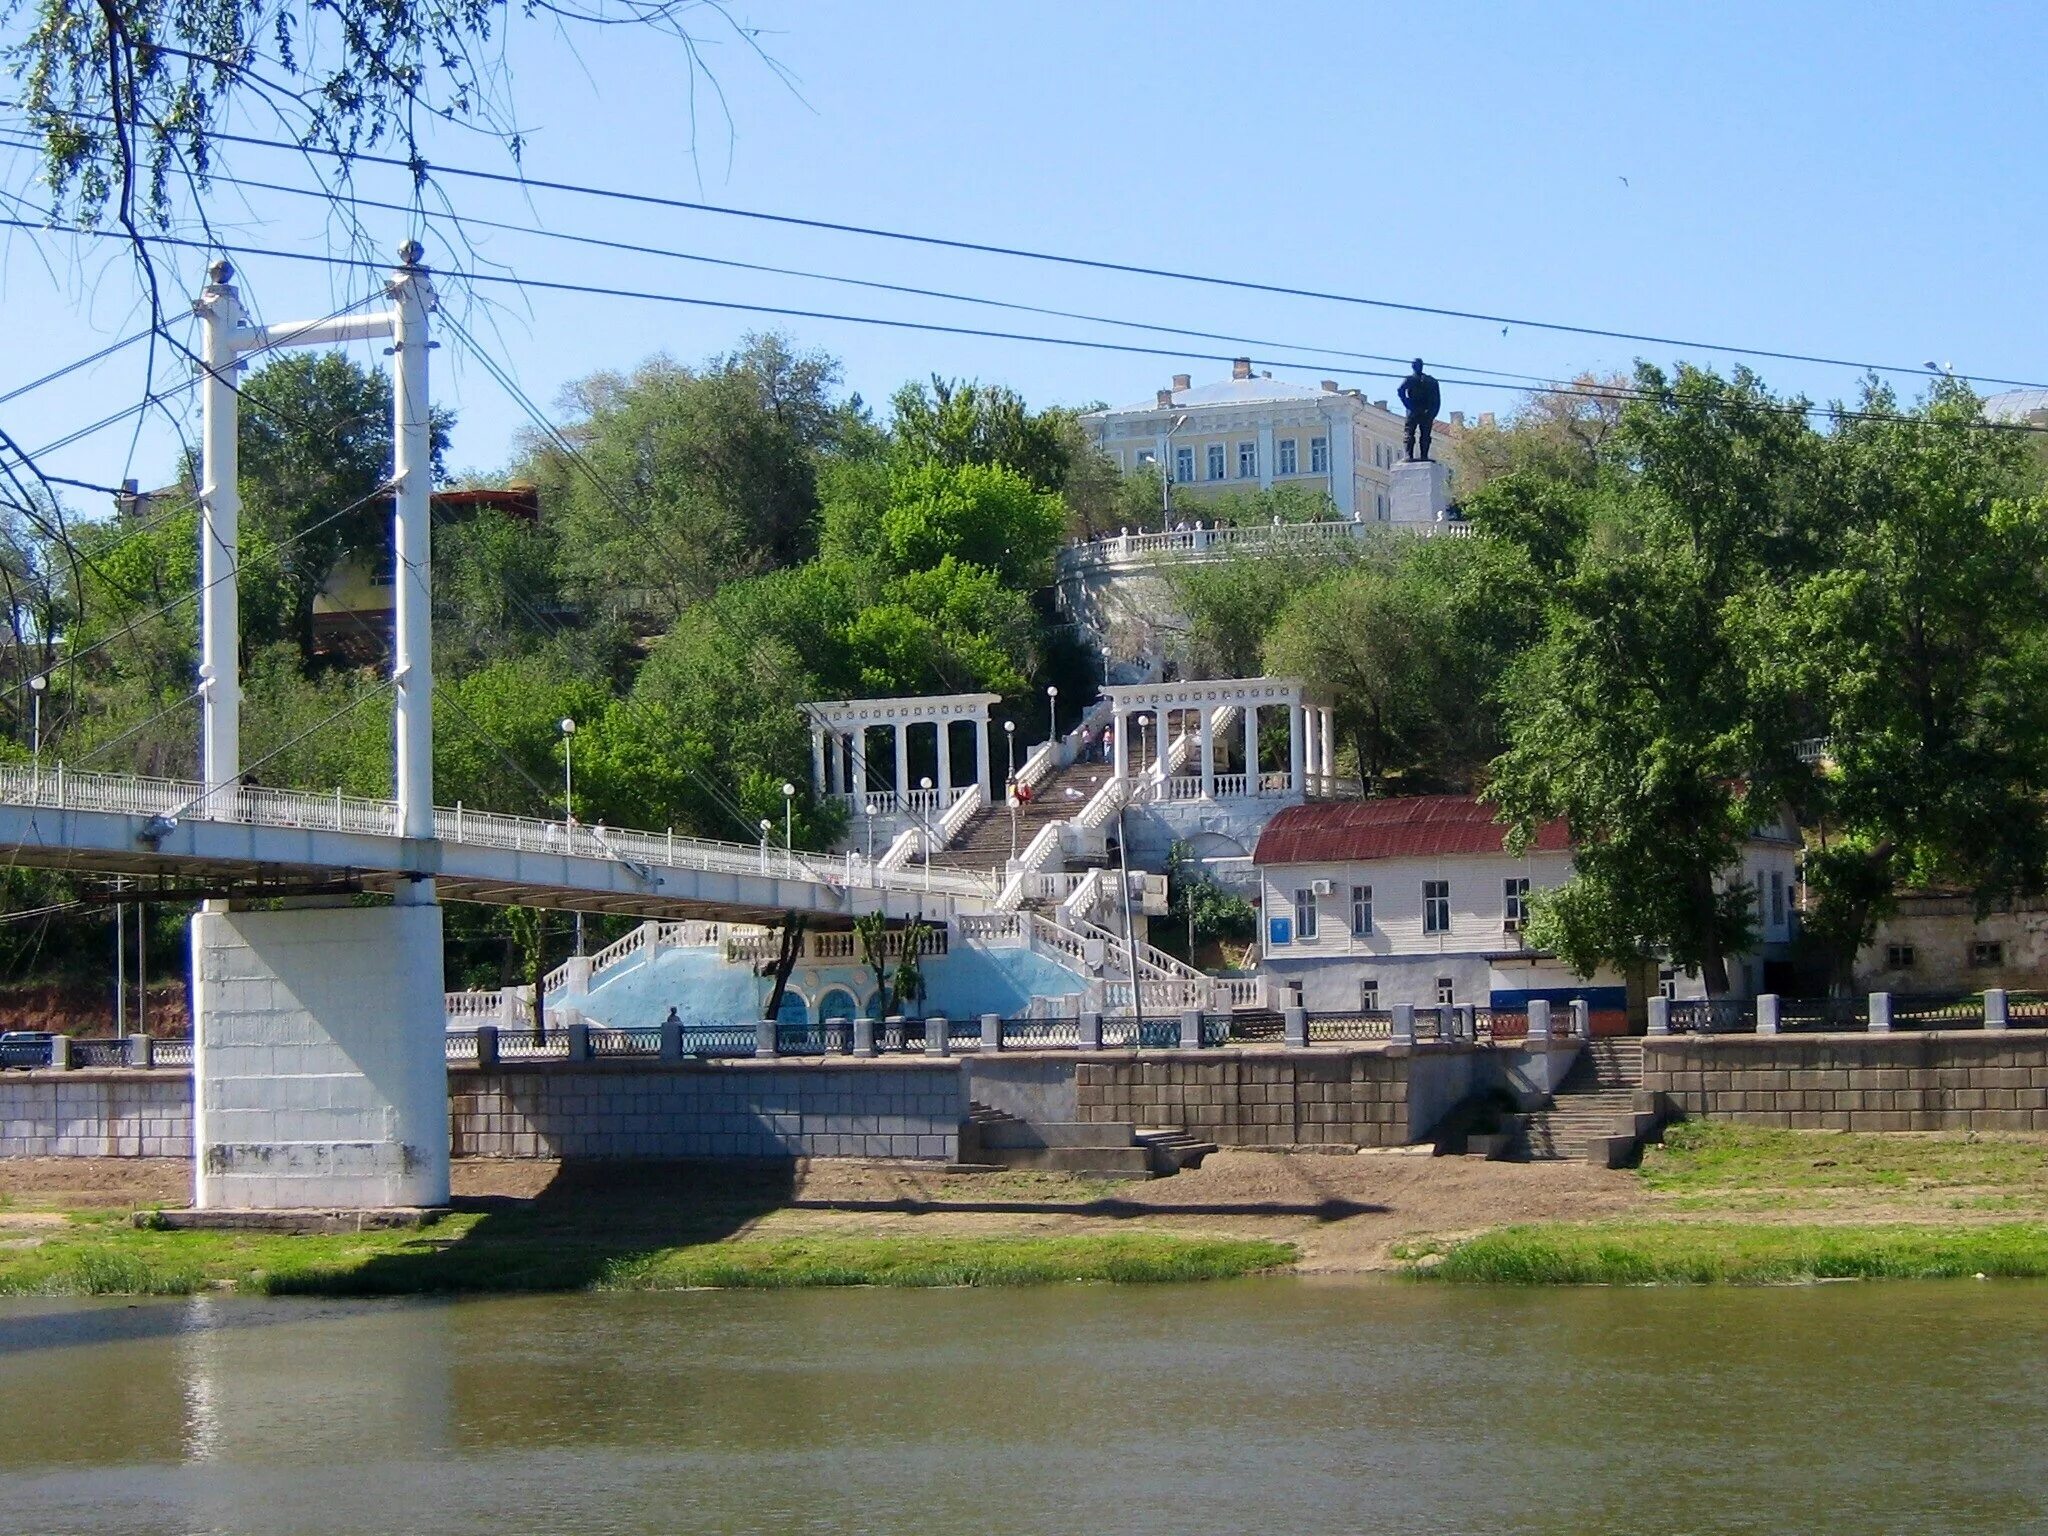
(412, 253)
(221, 272)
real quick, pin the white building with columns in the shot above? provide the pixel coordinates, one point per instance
(1253, 431)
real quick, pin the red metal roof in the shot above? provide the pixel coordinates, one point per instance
(1418, 826)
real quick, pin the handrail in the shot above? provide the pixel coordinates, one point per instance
(256, 805)
(1039, 852)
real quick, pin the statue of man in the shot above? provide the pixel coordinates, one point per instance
(1419, 393)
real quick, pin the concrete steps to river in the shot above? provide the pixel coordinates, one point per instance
(992, 1138)
(1595, 1114)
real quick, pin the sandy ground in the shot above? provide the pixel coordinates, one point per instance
(1343, 1212)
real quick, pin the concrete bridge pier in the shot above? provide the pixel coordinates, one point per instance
(319, 1062)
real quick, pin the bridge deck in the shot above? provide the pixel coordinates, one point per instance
(115, 825)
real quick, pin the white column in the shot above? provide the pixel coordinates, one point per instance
(412, 467)
(902, 763)
(220, 510)
(1251, 748)
(857, 743)
(1297, 726)
(1326, 738)
(944, 729)
(1208, 755)
(982, 795)
(1122, 754)
(820, 777)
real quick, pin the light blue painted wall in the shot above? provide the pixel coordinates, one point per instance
(966, 982)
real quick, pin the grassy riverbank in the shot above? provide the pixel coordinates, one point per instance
(1742, 1205)
(474, 1253)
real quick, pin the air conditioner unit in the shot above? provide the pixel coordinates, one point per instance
(1323, 887)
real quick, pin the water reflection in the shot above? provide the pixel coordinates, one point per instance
(1290, 1405)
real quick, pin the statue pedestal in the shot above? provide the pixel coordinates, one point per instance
(1421, 491)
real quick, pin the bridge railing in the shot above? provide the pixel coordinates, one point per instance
(254, 805)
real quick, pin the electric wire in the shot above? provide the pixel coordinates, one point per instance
(422, 168)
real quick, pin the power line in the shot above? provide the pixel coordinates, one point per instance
(1593, 391)
(84, 362)
(422, 169)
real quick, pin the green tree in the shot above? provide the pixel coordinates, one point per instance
(957, 423)
(978, 514)
(1636, 719)
(1923, 649)
(1230, 606)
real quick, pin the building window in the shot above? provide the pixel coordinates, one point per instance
(1305, 914)
(1777, 898)
(1184, 464)
(1215, 461)
(1288, 465)
(1369, 994)
(1146, 456)
(1898, 957)
(1446, 993)
(1987, 952)
(1380, 501)
(1436, 906)
(1319, 455)
(1361, 910)
(1247, 461)
(1514, 902)
(1667, 982)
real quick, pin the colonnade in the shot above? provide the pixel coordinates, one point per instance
(839, 747)
(1311, 735)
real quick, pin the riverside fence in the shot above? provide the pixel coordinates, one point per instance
(1874, 1013)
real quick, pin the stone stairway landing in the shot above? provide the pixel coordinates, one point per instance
(992, 1138)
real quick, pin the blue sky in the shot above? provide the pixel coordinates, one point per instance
(1856, 181)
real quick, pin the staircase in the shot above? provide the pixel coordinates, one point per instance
(992, 1138)
(1594, 1107)
(984, 843)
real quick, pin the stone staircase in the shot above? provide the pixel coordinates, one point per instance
(993, 1138)
(1592, 1113)
(984, 843)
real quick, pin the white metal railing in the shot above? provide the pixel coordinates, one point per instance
(260, 806)
(1214, 543)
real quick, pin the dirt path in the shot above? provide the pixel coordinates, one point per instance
(1343, 1212)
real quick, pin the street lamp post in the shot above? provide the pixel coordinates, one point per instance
(1166, 478)
(924, 823)
(766, 827)
(1141, 721)
(1010, 782)
(569, 805)
(36, 685)
(874, 810)
(788, 826)
(1052, 711)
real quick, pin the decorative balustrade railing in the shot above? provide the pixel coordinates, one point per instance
(1500, 1023)
(461, 1046)
(1938, 1011)
(1365, 1024)
(99, 1053)
(171, 1053)
(1238, 992)
(1822, 1015)
(1712, 1016)
(1214, 543)
(633, 1040)
(1029, 1034)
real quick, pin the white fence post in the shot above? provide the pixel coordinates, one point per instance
(1402, 1030)
(1539, 1019)
(1769, 1013)
(1660, 1015)
(1880, 1013)
(1997, 1011)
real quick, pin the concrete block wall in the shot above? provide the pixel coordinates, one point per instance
(110, 1113)
(880, 1108)
(1377, 1097)
(1919, 1081)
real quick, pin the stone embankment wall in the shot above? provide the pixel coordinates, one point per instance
(1978, 1080)
(875, 1108)
(115, 1113)
(1378, 1097)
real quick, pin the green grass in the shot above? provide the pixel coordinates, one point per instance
(1701, 1253)
(1702, 1157)
(469, 1252)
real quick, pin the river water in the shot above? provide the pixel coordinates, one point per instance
(1283, 1405)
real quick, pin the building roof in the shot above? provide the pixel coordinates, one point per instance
(1256, 390)
(2015, 405)
(1419, 826)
